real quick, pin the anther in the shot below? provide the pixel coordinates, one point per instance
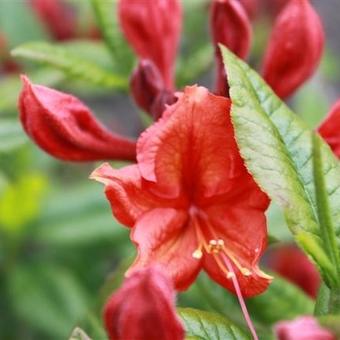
(230, 275)
(197, 254)
(215, 246)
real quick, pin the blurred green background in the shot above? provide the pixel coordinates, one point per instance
(61, 252)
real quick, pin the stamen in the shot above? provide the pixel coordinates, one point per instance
(197, 254)
(240, 297)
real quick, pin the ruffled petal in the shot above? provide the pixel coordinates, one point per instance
(125, 192)
(65, 128)
(255, 283)
(192, 147)
(330, 128)
(164, 237)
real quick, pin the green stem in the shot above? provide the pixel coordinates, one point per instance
(323, 210)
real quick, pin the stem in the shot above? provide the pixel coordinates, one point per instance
(323, 210)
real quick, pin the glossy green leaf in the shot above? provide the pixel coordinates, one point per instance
(277, 148)
(73, 64)
(11, 135)
(209, 326)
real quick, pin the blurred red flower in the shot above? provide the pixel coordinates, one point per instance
(292, 263)
(302, 328)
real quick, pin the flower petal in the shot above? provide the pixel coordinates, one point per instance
(330, 128)
(125, 192)
(190, 150)
(163, 236)
(65, 128)
(244, 233)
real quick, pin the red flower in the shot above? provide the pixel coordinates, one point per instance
(65, 128)
(303, 328)
(231, 27)
(57, 16)
(190, 201)
(330, 128)
(294, 49)
(143, 309)
(153, 29)
(251, 7)
(291, 263)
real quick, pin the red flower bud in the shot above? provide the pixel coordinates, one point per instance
(57, 16)
(160, 103)
(143, 309)
(330, 128)
(251, 7)
(65, 128)
(146, 82)
(153, 29)
(295, 48)
(291, 263)
(231, 27)
(302, 328)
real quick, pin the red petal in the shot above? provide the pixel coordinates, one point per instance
(65, 128)
(330, 128)
(153, 29)
(295, 48)
(251, 7)
(163, 236)
(125, 192)
(230, 26)
(189, 150)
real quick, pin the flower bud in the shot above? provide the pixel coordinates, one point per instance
(330, 129)
(295, 48)
(65, 128)
(231, 27)
(302, 328)
(146, 82)
(251, 7)
(163, 99)
(57, 16)
(143, 309)
(292, 264)
(153, 30)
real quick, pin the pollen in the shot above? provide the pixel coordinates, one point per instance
(215, 246)
(197, 254)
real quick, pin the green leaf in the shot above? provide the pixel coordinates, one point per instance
(20, 202)
(277, 148)
(71, 63)
(106, 15)
(18, 23)
(48, 298)
(11, 135)
(323, 208)
(209, 326)
(331, 322)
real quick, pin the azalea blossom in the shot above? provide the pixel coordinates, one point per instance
(143, 308)
(190, 201)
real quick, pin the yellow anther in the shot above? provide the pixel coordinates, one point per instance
(230, 275)
(197, 254)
